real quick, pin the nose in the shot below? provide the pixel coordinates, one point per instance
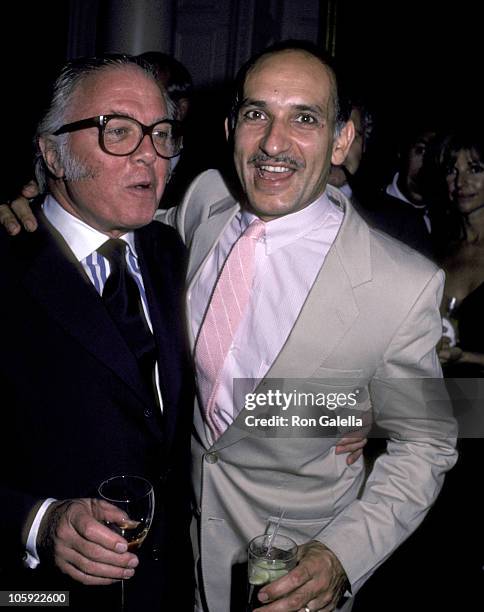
(460, 179)
(276, 138)
(145, 152)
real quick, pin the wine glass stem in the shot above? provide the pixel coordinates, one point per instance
(122, 595)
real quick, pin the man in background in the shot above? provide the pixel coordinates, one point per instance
(404, 197)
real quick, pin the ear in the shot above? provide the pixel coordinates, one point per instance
(227, 130)
(342, 143)
(50, 153)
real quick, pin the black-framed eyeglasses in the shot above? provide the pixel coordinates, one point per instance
(120, 135)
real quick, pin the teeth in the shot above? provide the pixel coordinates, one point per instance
(275, 169)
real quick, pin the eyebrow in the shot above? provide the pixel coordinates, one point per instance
(250, 102)
(316, 108)
(311, 108)
(131, 116)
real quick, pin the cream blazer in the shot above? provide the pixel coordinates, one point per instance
(372, 315)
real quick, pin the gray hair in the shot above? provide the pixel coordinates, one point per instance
(72, 75)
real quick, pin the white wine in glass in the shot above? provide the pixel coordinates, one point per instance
(136, 497)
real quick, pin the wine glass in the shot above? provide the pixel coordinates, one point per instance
(136, 497)
(450, 324)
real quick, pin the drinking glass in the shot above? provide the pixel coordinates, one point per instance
(271, 556)
(135, 496)
(450, 324)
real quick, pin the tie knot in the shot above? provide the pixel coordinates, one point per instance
(113, 250)
(255, 230)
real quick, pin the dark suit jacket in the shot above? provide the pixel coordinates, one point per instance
(74, 410)
(399, 220)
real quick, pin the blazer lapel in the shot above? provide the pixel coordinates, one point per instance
(57, 281)
(330, 307)
(207, 234)
(165, 313)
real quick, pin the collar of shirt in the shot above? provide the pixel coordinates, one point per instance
(393, 190)
(283, 230)
(81, 238)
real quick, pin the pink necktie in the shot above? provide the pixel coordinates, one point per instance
(222, 318)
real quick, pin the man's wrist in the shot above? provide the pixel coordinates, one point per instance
(48, 527)
(31, 529)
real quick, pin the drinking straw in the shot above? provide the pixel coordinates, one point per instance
(272, 537)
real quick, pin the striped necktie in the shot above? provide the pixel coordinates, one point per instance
(225, 311)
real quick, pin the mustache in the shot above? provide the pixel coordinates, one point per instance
(260, 158)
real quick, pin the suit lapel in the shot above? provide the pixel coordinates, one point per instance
(330, 307)
(57, 281)
(165, 312)
(207, 234)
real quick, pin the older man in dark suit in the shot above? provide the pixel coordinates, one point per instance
(93, 367)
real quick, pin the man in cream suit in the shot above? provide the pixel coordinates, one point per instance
(330, 300)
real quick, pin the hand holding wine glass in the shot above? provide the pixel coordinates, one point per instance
(135, 496)
(73, 535)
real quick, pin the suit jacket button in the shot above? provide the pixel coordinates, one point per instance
(156, 553)
(211, 457)
(148, 413)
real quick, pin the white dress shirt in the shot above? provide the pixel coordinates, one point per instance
(394, 191)
(287, 261)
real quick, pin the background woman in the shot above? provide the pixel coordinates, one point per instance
(461, 165)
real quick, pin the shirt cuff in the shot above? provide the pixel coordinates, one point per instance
(31, 558)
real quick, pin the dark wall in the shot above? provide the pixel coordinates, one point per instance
(409, 51)
(407, 57)
(412, 59)
(33, 39)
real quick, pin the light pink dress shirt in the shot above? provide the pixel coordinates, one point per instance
(287, 261)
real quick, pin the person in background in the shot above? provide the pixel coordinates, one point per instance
(408, 184)
(461, 170)
(95, 374)
(345, 176)
(174, 78)
(404, 196)
(457, 201)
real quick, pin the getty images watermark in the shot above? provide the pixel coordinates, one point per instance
(393, 407)
(300, 408)
(287, 401)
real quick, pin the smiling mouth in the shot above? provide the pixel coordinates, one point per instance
(277, 169)
(273, 173)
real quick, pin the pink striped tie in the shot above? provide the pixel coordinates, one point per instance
(222, 318)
